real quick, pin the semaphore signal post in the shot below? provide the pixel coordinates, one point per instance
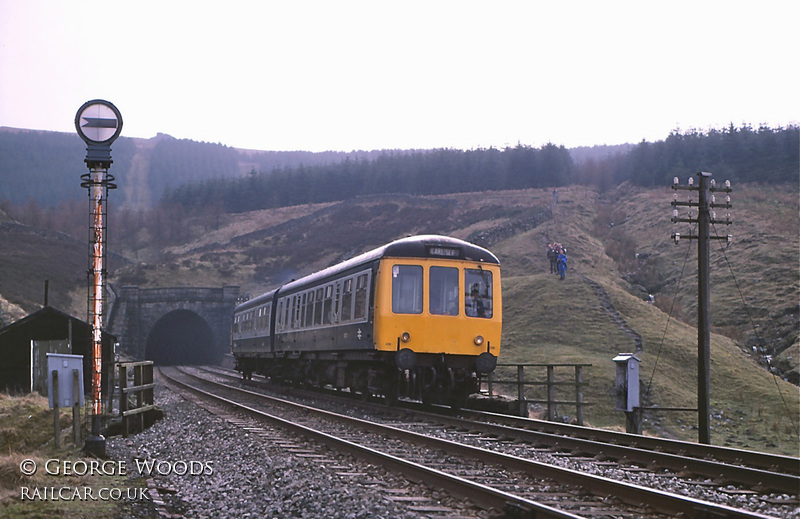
(98, 123)
(705, 217)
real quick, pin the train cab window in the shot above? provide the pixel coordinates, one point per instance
(443, 291)
(360, 310)
(347, 300)
(478, 293)
(407, 289)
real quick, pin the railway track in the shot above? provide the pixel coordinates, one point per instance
(750, 472)
(490, 478)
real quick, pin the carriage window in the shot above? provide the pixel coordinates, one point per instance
(318, 307)
(308, 321)
(279, 317)
(443, 291)
(263, 318)
(298, 311)
(478, 293)
(289, 313)
(337, 302)
(361, 297)
(407, 289)
(347, 300)
(327, 309)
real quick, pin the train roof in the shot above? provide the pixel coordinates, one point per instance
(423, 246)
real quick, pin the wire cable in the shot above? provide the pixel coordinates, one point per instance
(759, 339)
(669, 319)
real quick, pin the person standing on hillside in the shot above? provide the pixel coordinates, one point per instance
(552, 256)
(562, 263)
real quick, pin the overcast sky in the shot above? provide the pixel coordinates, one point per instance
(349, 75)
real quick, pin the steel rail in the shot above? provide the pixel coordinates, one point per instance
(722, 473)
(482, 495)
(634, 495)
(756, 470)
(762, 460)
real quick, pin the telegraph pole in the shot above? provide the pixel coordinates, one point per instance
(98, 123)
(705, 217)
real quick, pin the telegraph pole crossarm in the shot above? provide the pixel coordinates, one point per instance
(704, 218)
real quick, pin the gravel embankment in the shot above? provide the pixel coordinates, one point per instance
(241, 473)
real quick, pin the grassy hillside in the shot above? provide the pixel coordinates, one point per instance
(620, 253)
(547, 320)
(31, 256)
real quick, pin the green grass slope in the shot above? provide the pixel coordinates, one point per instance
(548, 320)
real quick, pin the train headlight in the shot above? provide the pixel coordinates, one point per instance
(405, 337)
(479, 340)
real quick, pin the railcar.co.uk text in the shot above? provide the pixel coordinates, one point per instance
(144, 467)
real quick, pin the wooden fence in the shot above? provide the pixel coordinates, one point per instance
(135, 401)
(556, 389)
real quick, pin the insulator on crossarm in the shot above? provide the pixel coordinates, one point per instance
(727, 200)
(675, 181)
(677, 237)
(713, 215)
(691, 181)
(713, 199)
(728, 184)
(713, 182)
(674, 213)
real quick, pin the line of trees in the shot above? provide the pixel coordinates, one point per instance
(741, 154)
(422, 173)
(738, 154)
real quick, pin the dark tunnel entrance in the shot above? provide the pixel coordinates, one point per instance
(181, 337)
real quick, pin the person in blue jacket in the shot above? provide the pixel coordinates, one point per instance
(561, 263)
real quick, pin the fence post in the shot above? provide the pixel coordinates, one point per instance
(123, 398)
(56, 410)
(579, 394)
(523, 404)
(149, 394)
(137, 381)
(551, 395)
(76, 407)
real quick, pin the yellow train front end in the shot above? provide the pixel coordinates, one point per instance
(441, 316)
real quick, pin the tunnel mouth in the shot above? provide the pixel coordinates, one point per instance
(181, 337)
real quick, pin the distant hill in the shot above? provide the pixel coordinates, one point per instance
(46, 166)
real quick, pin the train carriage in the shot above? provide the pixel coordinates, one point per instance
(420, 317)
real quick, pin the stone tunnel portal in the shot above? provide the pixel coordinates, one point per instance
(181, 337)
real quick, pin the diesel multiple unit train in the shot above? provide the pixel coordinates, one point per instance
(419, 318)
